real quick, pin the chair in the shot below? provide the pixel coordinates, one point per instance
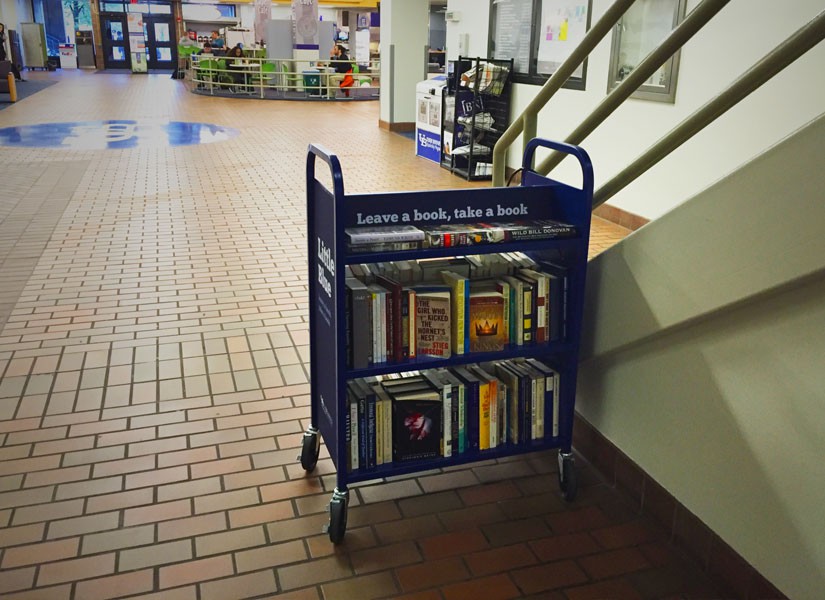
(223, 76)
(205, 72)
(291, 81)
(263, 77)
(7, 83)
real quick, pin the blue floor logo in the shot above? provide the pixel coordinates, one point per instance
(114, 134)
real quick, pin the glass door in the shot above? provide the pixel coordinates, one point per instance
(115, 42)
(160, 46)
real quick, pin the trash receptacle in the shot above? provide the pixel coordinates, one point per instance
(312, 82)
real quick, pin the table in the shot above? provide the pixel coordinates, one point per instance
(245, 69)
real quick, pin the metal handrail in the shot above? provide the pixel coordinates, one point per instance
(527, 121)
(287, 76)
(677, 38)
(772, 63)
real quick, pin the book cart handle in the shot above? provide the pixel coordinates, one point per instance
(579, 153)
(334, 167)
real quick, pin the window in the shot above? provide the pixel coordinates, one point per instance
(207, 12)
(640, 30)
(539, 35)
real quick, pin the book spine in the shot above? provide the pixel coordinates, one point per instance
(387, 430)
(355, 443)
(348, 437)
(484, 416)
(541, 232)
(534, 408)
(493, 414)
(556, 402)
(405, 325)
(371, 431)
(462, 421)
(384, 247)
(376, 331)
(362, 356)
(362, 432)
(454, 419)
(447, 421)
(389, 324)
(357, 238)
(527, 314)
(413, 324)
(379, 431)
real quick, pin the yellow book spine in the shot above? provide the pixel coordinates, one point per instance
(484, 416)
(459, 300)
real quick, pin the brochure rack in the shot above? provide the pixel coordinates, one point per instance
(330, 211)
(476, 113)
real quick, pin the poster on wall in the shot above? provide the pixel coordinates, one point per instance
(137, 42)
(512, 35)
(563, 26)
(263, 13)
(305, 23)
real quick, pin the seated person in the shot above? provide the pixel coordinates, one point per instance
(207, 48)
(236, 55)
(343, 70)
(217, 40)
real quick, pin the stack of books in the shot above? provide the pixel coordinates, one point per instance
(440, 413)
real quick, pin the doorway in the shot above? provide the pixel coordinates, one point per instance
(161, 48)
(115, 41)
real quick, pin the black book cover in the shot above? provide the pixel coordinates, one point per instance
(558, 300)
(416, 424)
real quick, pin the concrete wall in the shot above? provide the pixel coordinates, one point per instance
(741, 34)
(703, 358)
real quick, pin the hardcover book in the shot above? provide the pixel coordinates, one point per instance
(459, 296)
(384, 247)
(417, 418)
(432, 327)
(373, 234)
(488, 332)
(473, 234)
(359, 337)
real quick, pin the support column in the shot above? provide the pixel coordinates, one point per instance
(404, 39)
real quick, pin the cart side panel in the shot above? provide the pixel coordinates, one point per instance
(326, 331)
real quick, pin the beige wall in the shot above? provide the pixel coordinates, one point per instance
(704, 358)
(740, 35)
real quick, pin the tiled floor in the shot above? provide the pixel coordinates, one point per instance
(154, 385)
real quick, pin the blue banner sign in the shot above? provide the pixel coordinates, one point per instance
(114, 134)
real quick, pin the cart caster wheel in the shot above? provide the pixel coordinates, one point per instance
(310, 447)
(568, 481)
(338, 516)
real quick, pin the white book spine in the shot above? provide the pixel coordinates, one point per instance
(377, 237)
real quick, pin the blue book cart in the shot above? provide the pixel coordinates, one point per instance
(330, 211)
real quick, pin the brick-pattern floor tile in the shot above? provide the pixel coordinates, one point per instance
(495, 587)
(366, 587)
(317, 571)
(154, 377)
(116, 586)
(240, 586)
(500, 559)
(76, 569)
(195, 571)
(557, 575)
(431, 574)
